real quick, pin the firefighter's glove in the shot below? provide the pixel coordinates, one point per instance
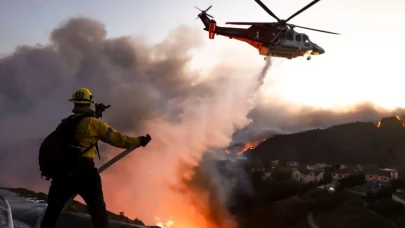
(100, 108)
(144, 140)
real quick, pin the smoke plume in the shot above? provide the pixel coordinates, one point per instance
(152, 90)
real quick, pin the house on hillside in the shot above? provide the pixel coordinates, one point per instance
(380, 176)
(292, 164)
(306, 176)
(341, 173)
(275, 162)
(317, 167)
(341, 166)
(267, 174)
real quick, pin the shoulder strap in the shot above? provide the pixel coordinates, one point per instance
(75, 121)
(69, 126)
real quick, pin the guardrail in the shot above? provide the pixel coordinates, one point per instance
(10, 222)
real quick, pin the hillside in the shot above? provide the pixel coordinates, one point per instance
(351, 143)
(318, 208)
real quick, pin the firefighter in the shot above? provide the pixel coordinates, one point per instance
(87, 182)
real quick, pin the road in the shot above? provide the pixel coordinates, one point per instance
(311, 221)
(310, 216)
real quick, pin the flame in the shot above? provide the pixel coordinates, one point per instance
(227, 151)
(250, 145)
(159, 223)
(401, 120)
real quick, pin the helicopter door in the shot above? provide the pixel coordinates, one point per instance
(281, 38)
(298, 39)
(290, 39)
(307, 43)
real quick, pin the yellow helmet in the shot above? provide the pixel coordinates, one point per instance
(82, 96)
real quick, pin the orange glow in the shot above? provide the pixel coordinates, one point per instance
(249, 146)
(377, 123)
(401, 120)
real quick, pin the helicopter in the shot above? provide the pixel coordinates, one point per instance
(276, 39)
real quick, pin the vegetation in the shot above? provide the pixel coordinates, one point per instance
(397, 184)
(280, 173)
(279, 187)
(352, 181)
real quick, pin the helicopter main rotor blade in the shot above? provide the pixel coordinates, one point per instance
(317, 30)
(302, 10)
(248, 23)
(267, 9)
(208, 8)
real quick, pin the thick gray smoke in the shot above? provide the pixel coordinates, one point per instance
(137, 79)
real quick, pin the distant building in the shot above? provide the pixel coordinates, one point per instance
(342, 166)
(306, 176)
(275, 162)
(380, 176)
(341, 173)
(267, 175)
(292, 164)
(317, 167)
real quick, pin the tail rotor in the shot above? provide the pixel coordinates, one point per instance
(204, 12)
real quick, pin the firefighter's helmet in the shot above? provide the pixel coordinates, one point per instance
(82, 96)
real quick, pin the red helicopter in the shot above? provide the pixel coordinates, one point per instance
(277, 39)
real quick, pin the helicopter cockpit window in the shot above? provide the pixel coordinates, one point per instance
(306, 39)
(290, 36)
(298, 37)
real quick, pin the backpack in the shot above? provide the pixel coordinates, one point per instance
(60, 153)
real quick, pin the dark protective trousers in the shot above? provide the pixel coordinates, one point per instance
(88, 186)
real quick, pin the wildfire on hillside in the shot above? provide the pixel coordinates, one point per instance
(240, 148)
(400, 118)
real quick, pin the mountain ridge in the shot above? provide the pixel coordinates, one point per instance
(349, 143)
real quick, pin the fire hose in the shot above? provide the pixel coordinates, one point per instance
(104, 167)
(10, 222)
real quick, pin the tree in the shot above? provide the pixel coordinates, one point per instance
(397, 184)
(327, 177)
(352, 180)
(281, 174)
